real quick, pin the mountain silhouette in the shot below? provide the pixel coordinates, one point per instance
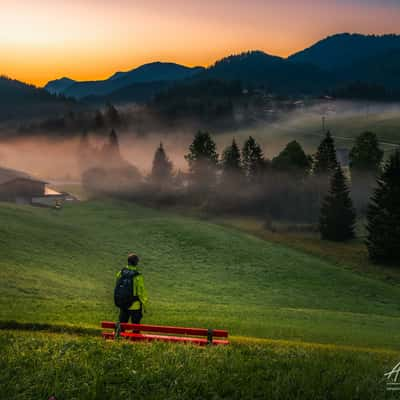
(342, 50)
(332, 63)
(59, 86)
(153, 72)
(273, 73)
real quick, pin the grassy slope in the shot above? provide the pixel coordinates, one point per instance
(352, 254)
(37, 365)
(59, 268)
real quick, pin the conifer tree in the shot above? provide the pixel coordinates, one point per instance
(99, 120)
(383, 216)
(202, 159)
(113, 115)
(161, 172)
(231, 161)
(113, 140)
(338, 217)
(84, 152)
(366, 155)
(365, 164)
(110, 152)
(325, 159)
(292, 159)
(253, 159)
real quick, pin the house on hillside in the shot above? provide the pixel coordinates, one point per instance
(21, 189)
(18, 187)
(52, 198)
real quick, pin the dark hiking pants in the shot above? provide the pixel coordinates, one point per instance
(134, 315)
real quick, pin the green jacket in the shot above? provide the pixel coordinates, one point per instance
(138, 289)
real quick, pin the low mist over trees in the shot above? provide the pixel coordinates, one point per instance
(383, 215)
(293, 188)
(104, 170)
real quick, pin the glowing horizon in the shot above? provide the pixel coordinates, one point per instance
(44, 40)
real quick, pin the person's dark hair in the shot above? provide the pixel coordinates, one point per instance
(133, 259)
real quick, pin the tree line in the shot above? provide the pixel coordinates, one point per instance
(293, 186)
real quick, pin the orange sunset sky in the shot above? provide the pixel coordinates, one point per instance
(42, 40)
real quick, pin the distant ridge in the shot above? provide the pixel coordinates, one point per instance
(329, 64)
(153, 72)
(342, 50)
(272, 72)
(59, 86)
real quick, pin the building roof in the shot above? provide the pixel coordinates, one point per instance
(9, 175)
(19, 178)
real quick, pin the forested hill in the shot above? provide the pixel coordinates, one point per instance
(19, 100)
(342, 50)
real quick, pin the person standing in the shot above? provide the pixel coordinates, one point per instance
(130, 294)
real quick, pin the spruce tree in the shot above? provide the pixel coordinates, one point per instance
(366, 155)
(161, 172)
(203, 160)
(253, 159)
(113, 115)
(292, 159)
(99, 120)
(113, 140)
(365, 164)
(84, 152)
(338, 217)
(325, 161)
(383, 215)
(110, 152)
(231, 162)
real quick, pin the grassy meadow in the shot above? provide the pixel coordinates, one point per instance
(352, 255)
(302, 326)
(37, 365)
(59, 268)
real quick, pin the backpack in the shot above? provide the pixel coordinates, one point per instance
(123, 292)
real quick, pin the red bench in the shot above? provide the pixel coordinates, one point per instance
(134, 332)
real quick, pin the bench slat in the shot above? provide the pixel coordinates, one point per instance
(149, 337)
(167, 329)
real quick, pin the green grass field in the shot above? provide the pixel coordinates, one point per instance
(58, 268)
(352, 254)
(37, 365)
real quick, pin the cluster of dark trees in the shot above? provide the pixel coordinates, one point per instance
(293, 186)
(366, 91)
(207, 101)
(19, 101)
(76, 120)
(292, 178)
